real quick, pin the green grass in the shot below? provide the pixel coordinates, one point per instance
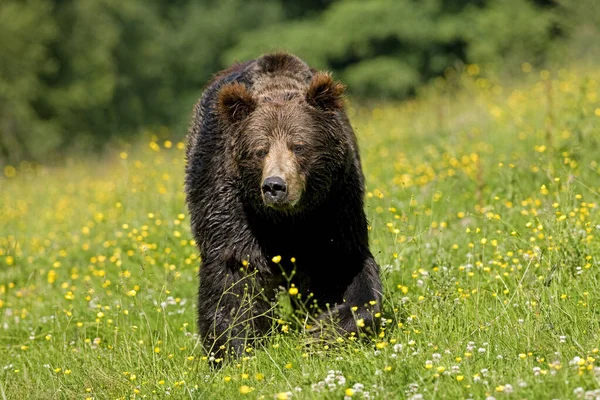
(484, 211)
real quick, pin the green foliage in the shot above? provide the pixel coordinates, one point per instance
(26, 29)
(387, 48)
(84, 74)
(366, 77)
(580, 19)
(507, 32)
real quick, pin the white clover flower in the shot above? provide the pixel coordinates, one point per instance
(562, 339)
(318, 387)
(592, 394)
(358, 387)
(413, 387)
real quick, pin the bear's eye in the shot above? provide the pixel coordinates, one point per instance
(298, 148)
(260, 153)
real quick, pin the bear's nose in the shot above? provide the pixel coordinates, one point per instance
(274, 189)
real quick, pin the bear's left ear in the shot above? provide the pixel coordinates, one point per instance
(235, 102)
(324, 93)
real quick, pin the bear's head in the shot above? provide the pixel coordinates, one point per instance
(288, 146)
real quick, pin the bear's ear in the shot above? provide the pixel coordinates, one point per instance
(235, 102)
(324, 93)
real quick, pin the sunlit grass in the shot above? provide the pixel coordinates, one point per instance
(483, 208)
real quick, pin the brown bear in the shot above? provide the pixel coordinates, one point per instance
(274, 184)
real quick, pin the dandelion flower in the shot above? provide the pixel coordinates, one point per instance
(245, 389)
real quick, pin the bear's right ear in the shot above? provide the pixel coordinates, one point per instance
(235, 102)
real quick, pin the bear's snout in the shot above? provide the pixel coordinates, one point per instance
(274, 190)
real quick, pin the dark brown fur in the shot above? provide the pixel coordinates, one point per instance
(235, 102)
(273, 170)
(324, 93)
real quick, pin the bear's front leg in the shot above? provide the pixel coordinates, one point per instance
(233, 308)
(361, 301)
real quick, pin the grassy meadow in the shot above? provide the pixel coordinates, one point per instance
(483, 200)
